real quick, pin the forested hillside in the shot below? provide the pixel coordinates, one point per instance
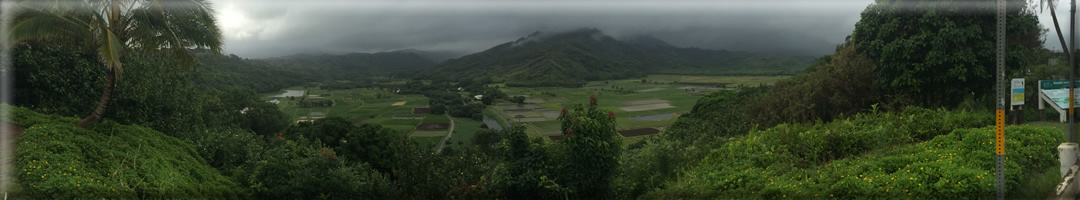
(221, 72)
(273, 74)
(722, 62)
(571, 58)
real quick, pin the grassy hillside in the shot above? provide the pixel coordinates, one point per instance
(917, 153)
(56, 160)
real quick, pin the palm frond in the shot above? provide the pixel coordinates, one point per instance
(1047, 4)
(170, 27)
(110, 50)
(37, 24)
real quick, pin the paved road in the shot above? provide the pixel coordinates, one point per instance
(448, 134)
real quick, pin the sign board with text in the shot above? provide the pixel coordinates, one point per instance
(1057, 92)
(1057, 84)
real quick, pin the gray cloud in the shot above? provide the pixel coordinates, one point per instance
(277, 28)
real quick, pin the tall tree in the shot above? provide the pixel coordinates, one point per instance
(112, 28)
(937, 52)
(591, 150)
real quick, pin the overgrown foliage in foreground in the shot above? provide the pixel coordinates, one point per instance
(57, 160)
(867, 157)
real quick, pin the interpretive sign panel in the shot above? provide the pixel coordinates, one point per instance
(1017, 91)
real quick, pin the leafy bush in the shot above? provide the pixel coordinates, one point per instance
(60, 161)
(649, 167)
(383, 148)
(53, 78)
(162, 93)
(228, 150)
(836, 85)
(21, 116)
(527, 171)
(329, 131)
(959, 164)
(299, 170)
(718, 114)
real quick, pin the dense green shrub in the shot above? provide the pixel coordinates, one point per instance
(156, 93)
(228, 150)
(773, 164)
(60, 161)
(329, 131)
(808, 145)
(834, 86)
(526, 172)
(24, 117)
(51, 77)
(383, 148)
(718, 114)
(488, 141)
(299, 170)
(650, 167)
(238, 107)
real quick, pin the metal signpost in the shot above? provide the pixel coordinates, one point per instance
(1000, 122)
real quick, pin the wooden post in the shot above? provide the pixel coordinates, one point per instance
(1020, 115)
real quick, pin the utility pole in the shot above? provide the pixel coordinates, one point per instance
(999, 144)
(1072, 68)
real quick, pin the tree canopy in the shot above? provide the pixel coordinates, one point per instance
(935, 53)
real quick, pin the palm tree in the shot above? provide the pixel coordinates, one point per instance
(113, 28)
(1057, 28)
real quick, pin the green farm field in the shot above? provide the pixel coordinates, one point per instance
(627, 98)
(464, 130)
(361, 106)
(731, 80)
(664, 98)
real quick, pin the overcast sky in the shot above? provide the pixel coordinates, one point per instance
(269, 28)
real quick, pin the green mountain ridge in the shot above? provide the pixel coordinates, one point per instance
(571, 58)
(351, 65)
(272, 74)
(436, 56)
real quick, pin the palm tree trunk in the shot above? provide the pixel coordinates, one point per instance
(110, 81)
(1053, 15)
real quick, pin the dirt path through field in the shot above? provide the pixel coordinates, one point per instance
(449, 133)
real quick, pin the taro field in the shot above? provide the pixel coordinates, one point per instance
(363, 105)
(641, 108)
